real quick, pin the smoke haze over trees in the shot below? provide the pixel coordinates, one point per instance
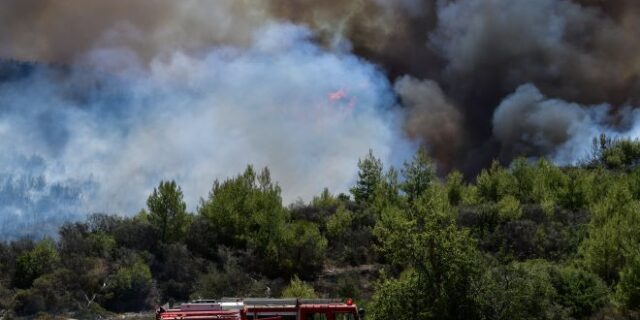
(528, 241)
(434, 159)
(192, 90)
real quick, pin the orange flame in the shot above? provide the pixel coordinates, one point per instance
(337, 95)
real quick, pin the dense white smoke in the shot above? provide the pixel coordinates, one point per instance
(306, 113)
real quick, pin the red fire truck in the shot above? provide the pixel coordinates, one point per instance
(264, 309)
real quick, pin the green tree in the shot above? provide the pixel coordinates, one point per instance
(457, 191)
(42, 259)
(129, 288)
(613, 233)
(28, 302)
(339, 224)
(299, 289)
(402, 298)
(387, 192)
(137, 233)
(418, 175)
(495, 183)
(301, 250)
(620, 154)
(548, 184)
(536, 289)
(168, 212)
(228, 280)
(6, 297)
(580, 191)
(176, 271)
(628, 288)
(581, 292)
(325, 200)
(518, 291)
(246, 210)
(509, 208)
(369, 178)
(441, 262)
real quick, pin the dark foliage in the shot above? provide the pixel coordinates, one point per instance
(528, 241)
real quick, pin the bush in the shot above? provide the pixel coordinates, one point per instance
(518, 291)
(339, 225)
(628, 288)
(299, 289)
(29, 302)
(130, 288)
(401, 299)
(228, 281)
(509, 208)
(6, 298)
(302, 251)
(581, 292)
(177, 271)
(34, 263)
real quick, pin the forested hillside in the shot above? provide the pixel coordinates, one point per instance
(525, 240)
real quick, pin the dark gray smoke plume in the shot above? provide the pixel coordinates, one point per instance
(530, 123)
(568, 50)
(479, 51)
(62, 31)
(99, 100)
(431, 117)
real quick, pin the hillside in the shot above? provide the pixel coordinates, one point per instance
(531, 240)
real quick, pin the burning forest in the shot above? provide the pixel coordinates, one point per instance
(504, 129)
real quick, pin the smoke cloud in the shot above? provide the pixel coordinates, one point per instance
(480, 51)
(531, 123)
(117, 95)
(60, 31)
(306, 113)
(432, 117)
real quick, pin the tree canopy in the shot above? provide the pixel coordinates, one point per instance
(527, 240)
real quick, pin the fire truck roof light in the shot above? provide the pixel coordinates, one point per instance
(349, 301)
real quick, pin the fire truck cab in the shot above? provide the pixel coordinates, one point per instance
(264, 309)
